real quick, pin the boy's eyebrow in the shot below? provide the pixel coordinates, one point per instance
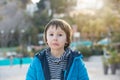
(60, 32)
(57, 32)
(50, 31)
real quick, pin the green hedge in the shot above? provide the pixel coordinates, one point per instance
(86, 51)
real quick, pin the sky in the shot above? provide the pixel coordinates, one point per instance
(85, 4)
(35, 1)
(89, 4)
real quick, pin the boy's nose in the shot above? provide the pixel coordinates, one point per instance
(55, 38)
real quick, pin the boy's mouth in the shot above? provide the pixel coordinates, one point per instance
(55, 44)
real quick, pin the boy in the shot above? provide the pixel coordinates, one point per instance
(58, 61)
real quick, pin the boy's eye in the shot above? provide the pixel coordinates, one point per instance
(51, 34)
(60, 34)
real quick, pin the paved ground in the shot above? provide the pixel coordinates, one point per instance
(94, 67)
(95, 70)
(13, 73)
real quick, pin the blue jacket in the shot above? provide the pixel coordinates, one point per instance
(75, 69)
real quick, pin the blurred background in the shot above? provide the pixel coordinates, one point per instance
(96, 34)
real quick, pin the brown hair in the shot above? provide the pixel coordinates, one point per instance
(63, 25)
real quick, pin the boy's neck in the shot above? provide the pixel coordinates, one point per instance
(57, 53)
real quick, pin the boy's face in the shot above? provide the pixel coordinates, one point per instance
(56, 38)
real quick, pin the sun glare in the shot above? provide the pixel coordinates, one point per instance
(35, 1)
(89, 4)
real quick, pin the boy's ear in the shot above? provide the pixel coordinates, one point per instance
(66, 43)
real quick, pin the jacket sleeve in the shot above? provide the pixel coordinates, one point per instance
(82, 71)
(31, 73)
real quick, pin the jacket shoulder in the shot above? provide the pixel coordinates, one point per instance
(40, 54)
(77, 53)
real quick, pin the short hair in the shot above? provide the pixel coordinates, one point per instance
(63, 25)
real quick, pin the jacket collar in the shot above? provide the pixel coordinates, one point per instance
(42, 57)
(72, 56)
